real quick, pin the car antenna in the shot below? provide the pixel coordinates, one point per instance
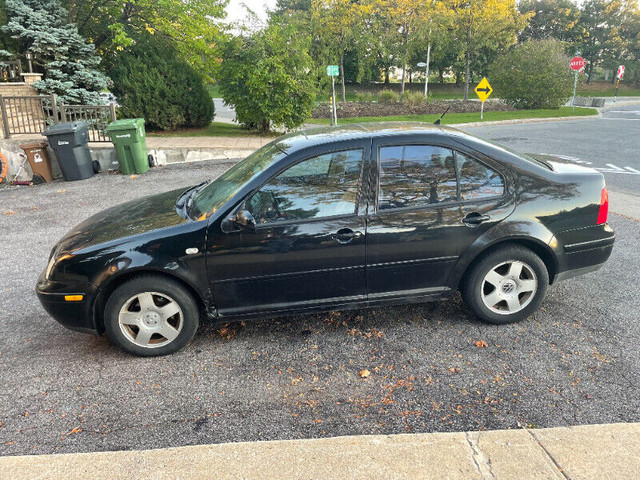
(437, 122)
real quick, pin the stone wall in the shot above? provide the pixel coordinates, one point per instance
(17, 88)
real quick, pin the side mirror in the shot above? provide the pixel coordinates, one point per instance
(245, 220)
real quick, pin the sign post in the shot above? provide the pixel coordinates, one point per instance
(333, 71)
(483, 90)
(577, 65)
(619, 76)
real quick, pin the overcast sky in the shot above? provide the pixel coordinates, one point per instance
(236, 10)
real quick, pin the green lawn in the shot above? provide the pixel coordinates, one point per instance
(453, 118)
(607, 90)
(216, 129)
(214, 91)
(220, 129)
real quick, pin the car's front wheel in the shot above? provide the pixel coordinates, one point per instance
(150, 316)
(506, 286)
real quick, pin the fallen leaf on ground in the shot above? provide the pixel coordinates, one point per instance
(133, 176)
(481, 344)
(9, 212)
(75, 430)
(365, 373)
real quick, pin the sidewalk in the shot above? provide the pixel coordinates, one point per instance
(239, 143)
(584, 452)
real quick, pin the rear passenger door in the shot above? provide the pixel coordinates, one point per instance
(429, 201)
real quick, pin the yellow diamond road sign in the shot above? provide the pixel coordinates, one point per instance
(483, 90)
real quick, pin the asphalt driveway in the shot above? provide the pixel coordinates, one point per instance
(417, 368)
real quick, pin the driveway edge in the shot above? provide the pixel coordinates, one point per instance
(582, 452)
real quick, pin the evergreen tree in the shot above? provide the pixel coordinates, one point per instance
(151, 80)
(70, 64)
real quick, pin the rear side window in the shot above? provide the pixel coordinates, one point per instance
(477, 181)
(414, 175)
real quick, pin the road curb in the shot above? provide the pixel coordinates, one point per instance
(621, 103)
(522, 120)
(624, 204)
(582, 452)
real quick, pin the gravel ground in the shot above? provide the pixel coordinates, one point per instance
(429, 367)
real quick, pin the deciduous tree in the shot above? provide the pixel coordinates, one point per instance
(190, 25)
(534, 74)
(551, 19)
(484, 24)
(339, 26)
(267, 78)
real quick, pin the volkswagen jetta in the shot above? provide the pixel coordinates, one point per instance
(333, 218)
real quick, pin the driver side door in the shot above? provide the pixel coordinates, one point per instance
(308, 245)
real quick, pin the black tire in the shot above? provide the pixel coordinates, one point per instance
(477, 292)
(96, 166)
(160, 290)
(151, 160)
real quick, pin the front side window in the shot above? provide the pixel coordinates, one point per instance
(415, 175)
(322, 186)
(477, 181)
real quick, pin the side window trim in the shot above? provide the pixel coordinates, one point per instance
(317, 153)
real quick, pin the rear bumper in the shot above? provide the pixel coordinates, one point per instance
(584, 250)
(75, 315)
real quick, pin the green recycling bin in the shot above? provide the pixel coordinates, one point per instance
(129, 138)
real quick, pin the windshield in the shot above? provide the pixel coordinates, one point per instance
(214, 195)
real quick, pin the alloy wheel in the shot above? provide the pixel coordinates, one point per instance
(509, 287)
(150, 319)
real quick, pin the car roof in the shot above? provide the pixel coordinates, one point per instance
(316, 136)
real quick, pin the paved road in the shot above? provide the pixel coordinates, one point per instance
(574, 362)
(224, 113)
(610, 143)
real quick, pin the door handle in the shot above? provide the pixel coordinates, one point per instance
(345, 235)
(475, 218)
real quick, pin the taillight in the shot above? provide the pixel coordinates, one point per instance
(604, 206)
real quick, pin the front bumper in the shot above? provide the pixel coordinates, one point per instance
(75, 315)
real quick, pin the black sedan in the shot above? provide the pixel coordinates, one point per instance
(333, 218)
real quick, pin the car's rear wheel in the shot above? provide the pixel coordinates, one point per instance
(506, 286)
(150, 316)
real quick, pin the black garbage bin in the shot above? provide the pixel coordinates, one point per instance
(69, 141)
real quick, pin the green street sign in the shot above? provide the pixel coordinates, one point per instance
(333, 70)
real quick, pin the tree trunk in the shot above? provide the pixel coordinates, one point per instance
(386, 74)
(590, 72)
(344, 92)
(404, 58)
(466, 76)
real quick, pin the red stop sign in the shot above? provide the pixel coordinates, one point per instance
(577, 63)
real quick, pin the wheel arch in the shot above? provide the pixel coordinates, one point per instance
(542, 250)
(105, 291)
